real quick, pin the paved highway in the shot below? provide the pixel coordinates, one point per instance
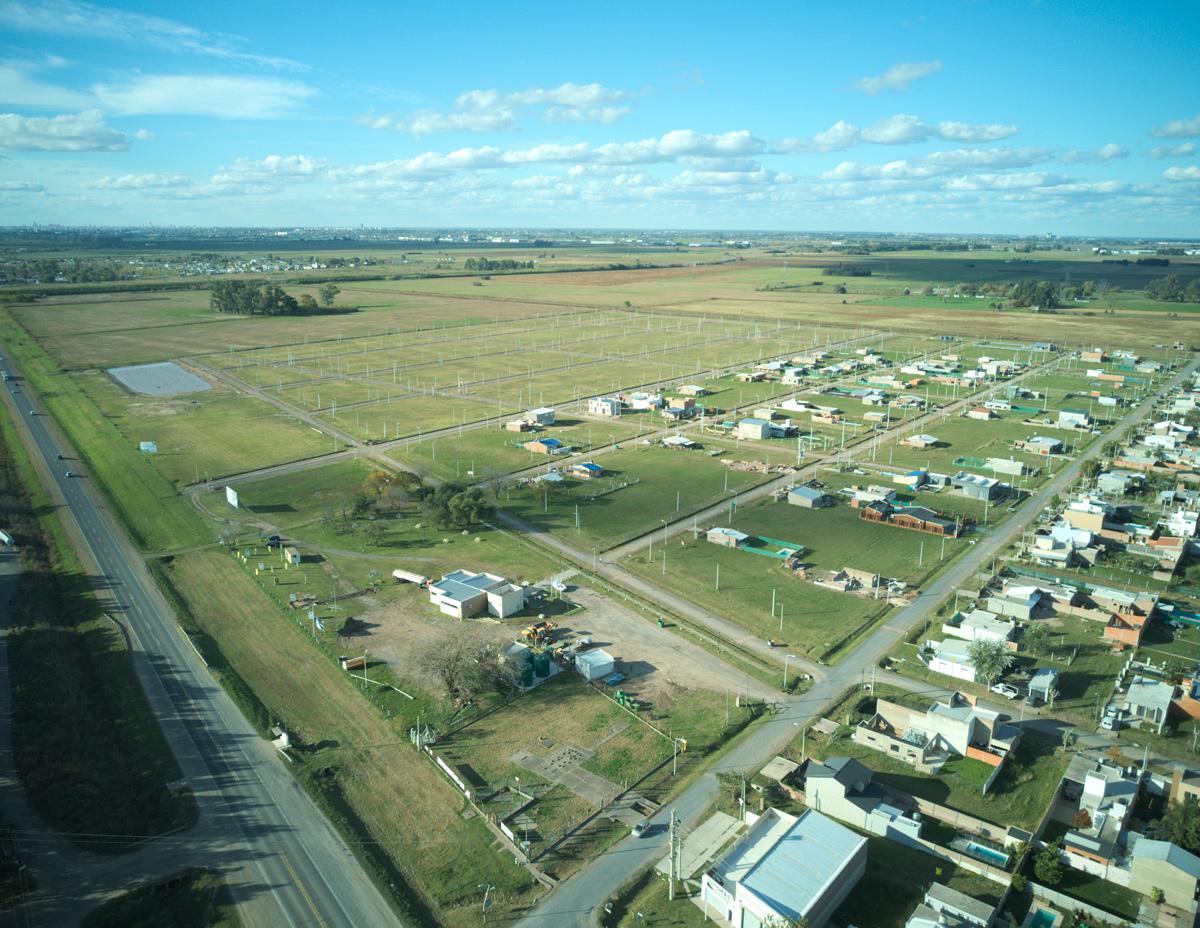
(574, 904)
(286, 865)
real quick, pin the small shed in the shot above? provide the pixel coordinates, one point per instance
(291, 555)
(754, 428)
(726, 537)
(595, 665)
(543, 415)
(545, 445)
(807, 497)
(1042, 682)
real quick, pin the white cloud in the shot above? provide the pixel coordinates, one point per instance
(20, 87)
(672, 146)
(1176, 175)
(496, 111)
(965, 132)
(988, 157)
(21, 186)
(1178, 128)
(70, 18)
(271, 170)
(1107, 152)
(1182, 150)
(899, 77)
(84, 131)
(605, 115)
(141, 182)
(896, 130)
(900, 129)
(204, 95)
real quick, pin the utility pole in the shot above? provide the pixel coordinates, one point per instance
(671, 877)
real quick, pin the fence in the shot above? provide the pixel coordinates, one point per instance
(1071, 904)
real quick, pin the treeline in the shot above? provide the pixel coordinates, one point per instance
(261, 298)
(846, 270)
(504, 264)
(48, 270)
(1144, 262)
(1170, 289)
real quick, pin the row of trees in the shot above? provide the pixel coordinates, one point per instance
(261, 298)
(501, 264)
(846, 270)
(1170, 289)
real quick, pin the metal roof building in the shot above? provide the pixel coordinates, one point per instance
(786, 868)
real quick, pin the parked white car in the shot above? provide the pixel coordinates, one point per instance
(1005, 690)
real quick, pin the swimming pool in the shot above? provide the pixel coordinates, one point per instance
(1042, 919)
(991, 855)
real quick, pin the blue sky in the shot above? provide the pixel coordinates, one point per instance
(1073, 118)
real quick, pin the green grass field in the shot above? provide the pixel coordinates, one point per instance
(615, 508)
(442, 855)
(214, 433)
(86, 743)
(485, 452)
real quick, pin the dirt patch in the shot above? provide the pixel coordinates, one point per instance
(659, 662)
(403, 631)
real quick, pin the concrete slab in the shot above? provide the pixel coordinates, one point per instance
(702, 844)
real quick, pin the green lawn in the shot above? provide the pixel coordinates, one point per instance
(1086, 666)
(644, 485)
(1120, 900)
(1019, 797)
(192, 899)
(896, 880)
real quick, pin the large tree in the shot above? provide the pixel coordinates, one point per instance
(990, 659)
(329, 293)
(1180, 824)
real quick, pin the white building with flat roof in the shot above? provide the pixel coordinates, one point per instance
(784, 869)
(464, 593)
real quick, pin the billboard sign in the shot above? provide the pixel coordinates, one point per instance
(148, 447)
(231, 497)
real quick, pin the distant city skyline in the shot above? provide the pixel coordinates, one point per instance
(957, 118)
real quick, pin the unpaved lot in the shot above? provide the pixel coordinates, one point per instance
(657, 660)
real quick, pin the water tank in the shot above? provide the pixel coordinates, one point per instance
(541, 664)
(527, 676)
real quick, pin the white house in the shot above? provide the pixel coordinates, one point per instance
(950, 657)
(605, 406)
(785, 869)
(980, 625)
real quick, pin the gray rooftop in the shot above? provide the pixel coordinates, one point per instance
(789, 863)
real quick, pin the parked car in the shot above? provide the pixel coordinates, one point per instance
(639, 829)
(1112, 720)
(1005, 690)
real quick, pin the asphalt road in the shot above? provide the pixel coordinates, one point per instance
(574, 904)
(285, 864)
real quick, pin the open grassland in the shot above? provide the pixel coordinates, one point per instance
(365, 760)
(85, 742)
(482, 453)
(814, 620)
(644, 485)
(212, 433)
(149, 505)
